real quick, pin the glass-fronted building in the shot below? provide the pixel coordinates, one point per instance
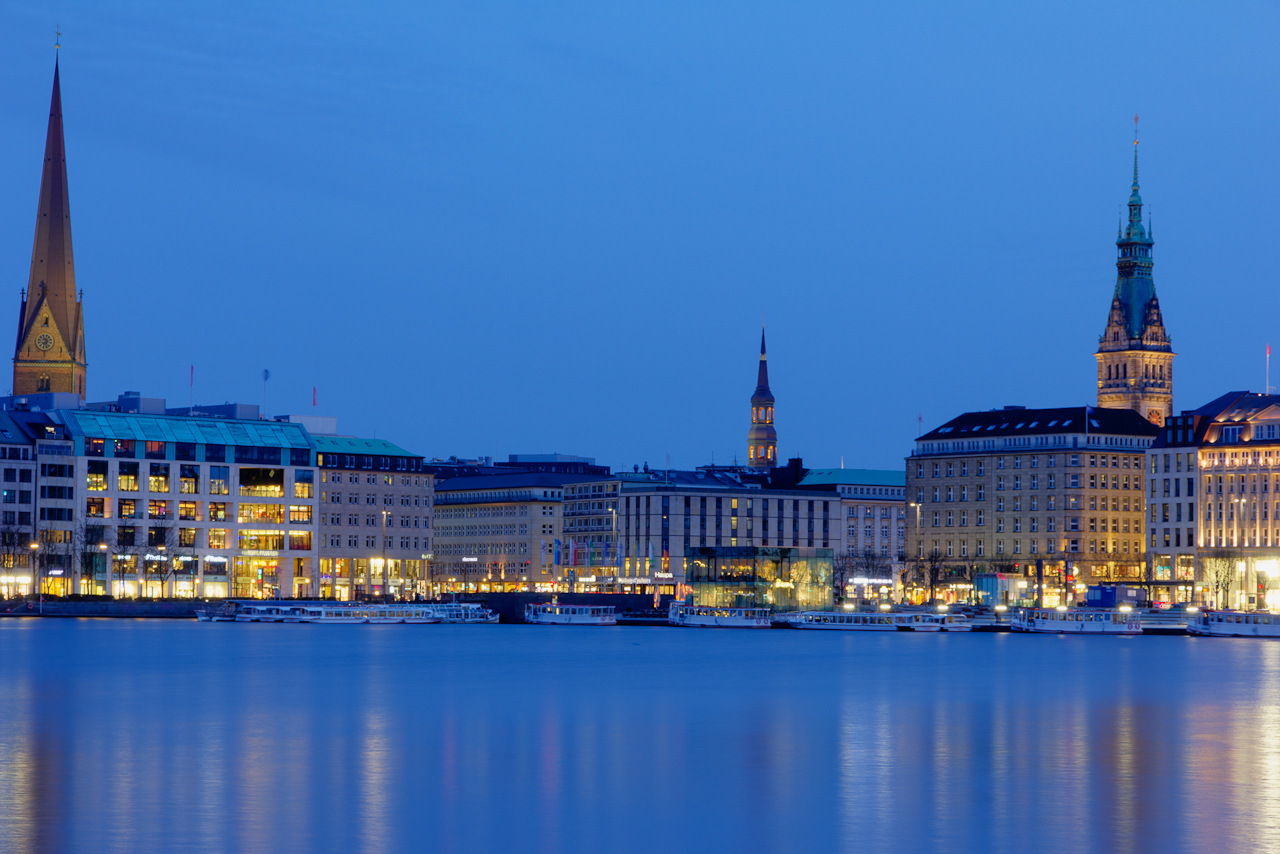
(784, 579)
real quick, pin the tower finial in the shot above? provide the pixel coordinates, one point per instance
(57, 36)
(1135, 151)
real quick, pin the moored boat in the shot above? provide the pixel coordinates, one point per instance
(463, 612)
(1234, 624)
(1077, 621)
(713, 617)
(334, 612)
(555, 614)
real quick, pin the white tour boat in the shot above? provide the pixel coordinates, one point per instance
(336, 612)
(1083, 621)
(555, 614)
(710, 617)
(885, 621)
(1234, 624)
(463, 612)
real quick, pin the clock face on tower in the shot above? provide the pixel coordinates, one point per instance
(45, 341)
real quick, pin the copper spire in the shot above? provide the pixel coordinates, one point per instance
(53, 275)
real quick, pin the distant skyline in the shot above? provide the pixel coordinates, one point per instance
(485, 229)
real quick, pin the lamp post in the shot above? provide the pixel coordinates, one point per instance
(35, 570)
(102, 547)
(385, 568)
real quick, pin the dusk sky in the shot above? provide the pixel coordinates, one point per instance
(493, 228)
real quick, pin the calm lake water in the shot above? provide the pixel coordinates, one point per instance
(156, 736)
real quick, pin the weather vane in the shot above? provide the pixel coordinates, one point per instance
(1135, 128)
(57, 33)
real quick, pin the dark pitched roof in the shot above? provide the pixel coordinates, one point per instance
(1017, 421)
(523, 480)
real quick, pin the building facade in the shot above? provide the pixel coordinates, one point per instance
(1135, 356)
(130, 505)
(1011, 490)
(641, 529)
(1214, 497)
(49, 355)
(871, 542)
(376, 510)
(500, 533)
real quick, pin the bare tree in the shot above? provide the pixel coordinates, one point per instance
(160, 542)
(927, 571)
(1220, 573)
(841, 571)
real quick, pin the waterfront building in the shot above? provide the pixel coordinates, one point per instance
(1135, 356)
(500, 533)
(1003, 490)
(665, 519)
(49, 355)
(870, 544)
(1213, 523)
(376, 509)
(152, 505)
(18, 509)
(762, 438)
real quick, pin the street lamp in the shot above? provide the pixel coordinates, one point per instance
(35, 567)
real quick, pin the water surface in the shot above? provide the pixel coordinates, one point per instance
(154, 736)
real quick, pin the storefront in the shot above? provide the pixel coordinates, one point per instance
(785, 579)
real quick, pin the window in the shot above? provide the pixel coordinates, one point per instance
(187, 511)
(300, 540)
(299, 457)
(127, 508)
(93, 447)
(127, 477)
(261, 540)
(215, 453)
(186, 537)
(304, 484)
(217, 511)
(270, 513)
(262, 483)
(155, 450)
(96, 479)
(184, 450)
(158, 509)
(124, 448)
(219, 480)
(189, 480)
(125, 536)
(300, 513)
(96, 507)
(217, 538)
(258, 454)
(159, 478)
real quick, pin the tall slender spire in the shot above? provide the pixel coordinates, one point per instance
(762, 380)
(51, 358)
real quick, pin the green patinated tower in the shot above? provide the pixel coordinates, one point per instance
(1135, 356)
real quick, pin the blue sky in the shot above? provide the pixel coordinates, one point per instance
(492, 228)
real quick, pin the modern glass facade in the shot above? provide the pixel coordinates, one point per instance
(785, 579)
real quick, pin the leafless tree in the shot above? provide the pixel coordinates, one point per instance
(1220, 573)
(161, 541)
(927, 571)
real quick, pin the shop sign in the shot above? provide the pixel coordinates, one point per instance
(634, 580)
(258, 553)
(664, 575)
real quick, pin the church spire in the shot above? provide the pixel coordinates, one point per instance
(49, 354)
(762, 438)
(762, 380)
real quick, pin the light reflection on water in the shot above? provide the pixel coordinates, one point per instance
(120, 736)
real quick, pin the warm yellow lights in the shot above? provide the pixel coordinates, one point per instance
(1001, 608)
(1061, 608)
(886, 607)
(1124, 609)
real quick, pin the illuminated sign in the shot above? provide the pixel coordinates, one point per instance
(470, 559)
(258, 553)
(634, 580)
(664, 575)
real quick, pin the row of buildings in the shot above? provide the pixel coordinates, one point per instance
(1039, 504)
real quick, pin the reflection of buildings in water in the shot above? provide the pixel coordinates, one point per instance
(374, 814)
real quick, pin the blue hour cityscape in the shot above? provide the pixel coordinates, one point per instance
(429, 371)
